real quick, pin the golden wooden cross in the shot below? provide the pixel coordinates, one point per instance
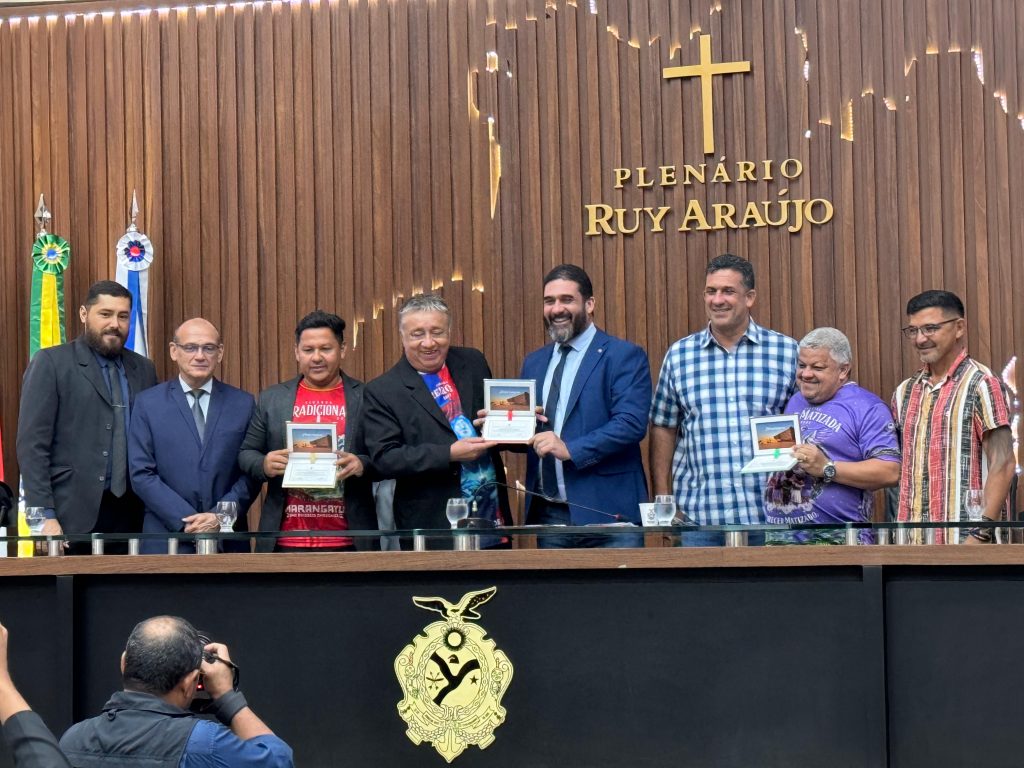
(705, 71)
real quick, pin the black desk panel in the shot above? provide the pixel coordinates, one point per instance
(662, 667)
(837, 656)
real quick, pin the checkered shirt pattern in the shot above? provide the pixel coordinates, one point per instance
(709, 394)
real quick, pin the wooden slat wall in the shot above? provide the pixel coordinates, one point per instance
(335, 154)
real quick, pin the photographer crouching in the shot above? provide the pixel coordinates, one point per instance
(149, 722)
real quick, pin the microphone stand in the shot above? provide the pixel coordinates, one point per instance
(549, 500)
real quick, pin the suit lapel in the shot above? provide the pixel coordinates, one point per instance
(214, 411)
(353, 403)
(177, 396)
(91, 370)
(538, 370)
(131, 374)
(594, 355)
(282, 410)
(420, 394)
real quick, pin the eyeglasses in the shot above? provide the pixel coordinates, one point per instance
(929, 330)
(192, 349)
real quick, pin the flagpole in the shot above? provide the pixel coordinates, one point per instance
(51, 255)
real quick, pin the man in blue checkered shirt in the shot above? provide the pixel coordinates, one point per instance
(711, 383)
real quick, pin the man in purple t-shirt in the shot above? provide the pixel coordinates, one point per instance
(849, 447)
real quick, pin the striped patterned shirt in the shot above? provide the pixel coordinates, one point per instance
(709, 394)
(941, 427)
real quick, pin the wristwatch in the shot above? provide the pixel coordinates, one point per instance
(829, 473)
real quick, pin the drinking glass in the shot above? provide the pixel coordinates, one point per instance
(35, 518)
(664, 509)
(457, 509)
(227, 512)
(974, 503)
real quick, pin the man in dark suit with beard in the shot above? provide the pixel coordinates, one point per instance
(76, 400)
(596, 392)
(418, 422)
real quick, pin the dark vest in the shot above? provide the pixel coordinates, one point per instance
(135, 729)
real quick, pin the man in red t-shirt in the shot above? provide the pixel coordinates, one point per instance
(321, 394)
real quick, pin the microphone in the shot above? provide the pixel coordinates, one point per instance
(548, 499)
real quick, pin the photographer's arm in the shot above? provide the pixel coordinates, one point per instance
(246, 725)
(31, 742)
(217, 678)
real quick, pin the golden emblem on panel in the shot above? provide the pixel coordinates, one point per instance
(453, 677)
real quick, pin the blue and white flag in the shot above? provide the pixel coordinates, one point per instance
(134, 255)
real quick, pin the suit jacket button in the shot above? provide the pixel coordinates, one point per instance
(108, 426)
(106, 453)
(100, 478)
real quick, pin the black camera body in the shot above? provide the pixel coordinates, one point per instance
(202, 697)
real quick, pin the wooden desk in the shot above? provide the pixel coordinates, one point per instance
(772, 656)
(522, 560)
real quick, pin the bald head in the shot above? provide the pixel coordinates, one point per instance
(160, 652)
(197, 324)
(197, 350)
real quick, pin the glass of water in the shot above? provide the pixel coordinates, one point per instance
(227, 513)
(457, 509)
(35, 519)
(664, 509)
(974, 504)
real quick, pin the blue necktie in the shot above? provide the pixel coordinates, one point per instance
(197, 412)
(548, 477)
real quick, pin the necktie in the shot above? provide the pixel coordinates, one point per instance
(549, 480)
(197, 412)
(119, 444)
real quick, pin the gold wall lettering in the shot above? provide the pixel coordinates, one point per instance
(793, 215)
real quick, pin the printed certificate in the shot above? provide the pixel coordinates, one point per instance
(312, 460)
(511, 410)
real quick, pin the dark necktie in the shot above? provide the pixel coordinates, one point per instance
(197, 412)
(548, 477)
(118, 445)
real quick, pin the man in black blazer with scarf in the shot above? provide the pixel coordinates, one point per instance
(321, 386)
(419, 423)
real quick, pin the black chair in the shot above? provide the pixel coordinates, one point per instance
(7, 502)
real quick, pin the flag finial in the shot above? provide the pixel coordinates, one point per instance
(42, 217)
(133, 214)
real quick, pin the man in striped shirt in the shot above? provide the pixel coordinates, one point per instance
(711, 383)
(954, 419)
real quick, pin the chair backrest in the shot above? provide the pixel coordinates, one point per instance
(6, 502)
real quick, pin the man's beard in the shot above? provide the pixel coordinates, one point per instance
(101, 343)
(564, 334)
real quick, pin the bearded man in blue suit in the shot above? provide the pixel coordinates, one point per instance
(596, 393)
(183, 443)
